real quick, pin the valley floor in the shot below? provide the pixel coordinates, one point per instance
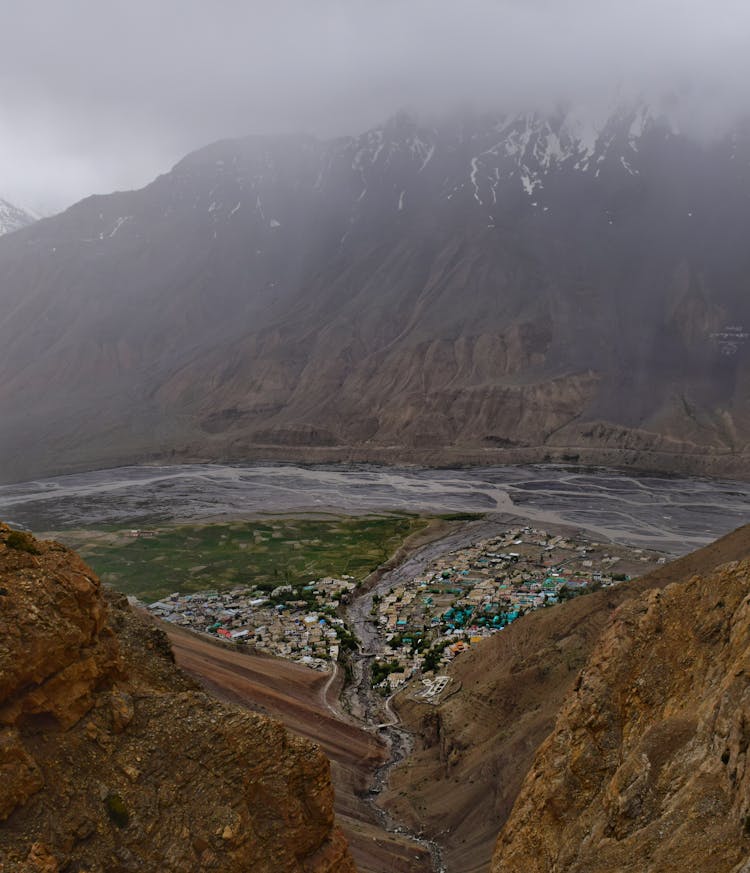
(303, 700)
(362, 751)
(459, 765)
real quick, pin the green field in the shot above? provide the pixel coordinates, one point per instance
(265, 553)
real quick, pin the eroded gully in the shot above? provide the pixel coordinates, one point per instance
(363, 702)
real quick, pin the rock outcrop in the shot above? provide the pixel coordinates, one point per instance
(112, 760)
(647, 767)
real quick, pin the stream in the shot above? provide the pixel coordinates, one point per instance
(364, 703)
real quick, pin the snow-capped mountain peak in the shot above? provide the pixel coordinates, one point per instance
(13, 217)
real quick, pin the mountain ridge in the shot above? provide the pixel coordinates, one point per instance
(515, 685)
(486, 288)
(645, 767)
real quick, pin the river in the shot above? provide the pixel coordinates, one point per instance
(673, 514)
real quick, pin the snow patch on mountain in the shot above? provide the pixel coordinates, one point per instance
(530, 147)
(521, 150)
(13, 217)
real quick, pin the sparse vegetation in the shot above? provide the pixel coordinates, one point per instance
(566, 593)
(433, 657)
(382, 670)
(347, 641)
(22, 542)
(117, 811)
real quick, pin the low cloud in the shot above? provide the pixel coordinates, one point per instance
(98, 96)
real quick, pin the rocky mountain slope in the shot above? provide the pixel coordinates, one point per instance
(646, 768)
(111, 759)
(474, 751)
(495, 288)
(13, 217)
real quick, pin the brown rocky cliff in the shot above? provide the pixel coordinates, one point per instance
(112, 760)
(646, 768)
(473, 752)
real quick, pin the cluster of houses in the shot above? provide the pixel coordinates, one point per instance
(462, 597)
(299, 624)
(475, 592)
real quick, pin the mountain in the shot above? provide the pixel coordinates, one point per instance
(480, 748)
(484, 289)
(645, 769)
(13, 218)
(114, 760)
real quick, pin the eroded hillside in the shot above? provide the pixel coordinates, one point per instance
(112, 760)
(646, 768)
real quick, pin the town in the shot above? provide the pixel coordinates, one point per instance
(296, 623)
(459, 599)
(472, 593)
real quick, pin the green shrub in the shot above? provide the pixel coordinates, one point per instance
(382, 669)
(347, 641)
(433, 657)
(22, 542)
(117, 811)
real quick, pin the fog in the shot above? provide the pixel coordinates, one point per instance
(99, 96)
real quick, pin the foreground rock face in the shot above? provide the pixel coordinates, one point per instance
(647, 767)
(112, 760)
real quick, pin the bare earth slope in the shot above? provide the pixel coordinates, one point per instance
(646, 770)
(475, 749)
(113, 760)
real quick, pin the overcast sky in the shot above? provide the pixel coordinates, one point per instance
(97, 95)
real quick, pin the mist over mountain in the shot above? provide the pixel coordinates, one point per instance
(13, 217)
(419, 234)
(513, 287)
(115, 93)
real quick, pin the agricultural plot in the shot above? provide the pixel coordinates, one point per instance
(266, 552)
